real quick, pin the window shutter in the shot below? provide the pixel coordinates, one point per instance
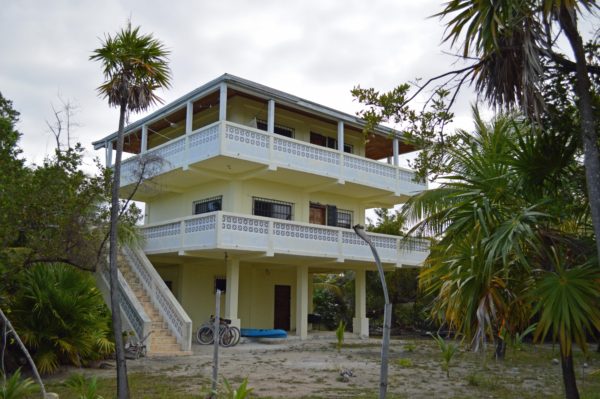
(331, 215)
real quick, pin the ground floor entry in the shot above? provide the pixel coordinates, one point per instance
(254, 295)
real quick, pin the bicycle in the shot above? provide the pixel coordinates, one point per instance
(228, 335)
(136, 348)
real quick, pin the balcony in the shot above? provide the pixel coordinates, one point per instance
(218, 231)
(258, 148)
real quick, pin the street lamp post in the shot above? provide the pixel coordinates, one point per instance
(387, 314)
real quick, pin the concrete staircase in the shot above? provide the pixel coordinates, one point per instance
(161, 341)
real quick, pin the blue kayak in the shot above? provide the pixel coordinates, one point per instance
(263, 333)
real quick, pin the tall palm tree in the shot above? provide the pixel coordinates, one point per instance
(513, 39)
(512, 204)
(134, 66)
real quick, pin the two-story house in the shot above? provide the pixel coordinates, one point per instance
(253, 191)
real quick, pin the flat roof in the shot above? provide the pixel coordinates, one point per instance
(256, 89)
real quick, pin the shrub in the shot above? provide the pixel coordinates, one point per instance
(61, 317)
(17, 388)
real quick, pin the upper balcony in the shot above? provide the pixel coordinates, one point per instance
(231, 128)
(249, 149)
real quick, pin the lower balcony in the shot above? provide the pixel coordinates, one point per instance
(215, 232)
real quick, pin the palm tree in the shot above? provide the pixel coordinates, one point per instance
(134, 65)
(512, 40)
(512, 204)
(61, 316)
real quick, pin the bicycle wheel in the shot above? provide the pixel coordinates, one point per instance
(226, 337)
(237, 335)
(205, 335)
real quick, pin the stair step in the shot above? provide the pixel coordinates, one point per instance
(163, 339)
(165, 348)
(169, 353)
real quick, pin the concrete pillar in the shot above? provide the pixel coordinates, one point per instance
(109, 153)
(189, 117)
(396, 144)
(232, 291)
(223, 102)
(271, 116)
(340, 136)
(311, 293)
(360, 322)
(302, 302)
(144, 145)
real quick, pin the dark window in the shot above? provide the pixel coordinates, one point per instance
(220, 284)
(332, 215)
(208, 205)
(279, 129)
(344, 218)
(272, 208)
(329, 142)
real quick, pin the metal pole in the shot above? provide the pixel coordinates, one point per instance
(216, 339)
(25, 352)
(387, 314)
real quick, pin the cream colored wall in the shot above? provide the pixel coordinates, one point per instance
(172, 206)
(257, 294)
(171, 273)
(196, 294)
(237, 197)
(198, 290)
(244, 111)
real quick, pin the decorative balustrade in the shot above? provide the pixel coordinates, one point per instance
(169, 308)
(131, 308)
(243, 142)
(225, 230)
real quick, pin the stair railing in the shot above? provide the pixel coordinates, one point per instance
(178, 322)
(135, 316)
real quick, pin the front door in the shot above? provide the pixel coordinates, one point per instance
(283, 295)
(317, 214)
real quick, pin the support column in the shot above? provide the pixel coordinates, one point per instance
(223, 102)
(144, 145)
(232, 290)
(360, 322)
(271, 116)
(340, 136)
(396, 144)
(302, 302)
(109, 153)
(189, 117)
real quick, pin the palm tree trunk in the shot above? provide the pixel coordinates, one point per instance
(589, 136)
(568, 372)
(122, 383)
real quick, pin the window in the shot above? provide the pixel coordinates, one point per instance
(344, 218)
(329, 142)
(272, 208)
(208, 205)
(220, 283)
(279, 129)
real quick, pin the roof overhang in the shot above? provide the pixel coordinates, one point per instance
(379, 136)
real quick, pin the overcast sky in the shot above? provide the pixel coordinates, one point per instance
(317, 50)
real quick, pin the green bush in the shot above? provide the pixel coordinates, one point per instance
(61, 317)
(16, 387)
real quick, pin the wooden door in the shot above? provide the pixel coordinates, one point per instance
(317, 214)
(283, 295)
